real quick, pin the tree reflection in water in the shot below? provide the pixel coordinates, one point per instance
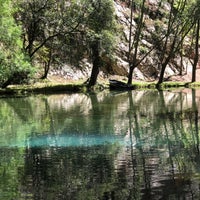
(143, 145)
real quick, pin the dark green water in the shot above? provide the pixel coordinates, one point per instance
(131, 145)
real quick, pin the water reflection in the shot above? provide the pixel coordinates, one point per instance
(131, 145)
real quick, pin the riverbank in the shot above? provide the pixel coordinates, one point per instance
(53, 87)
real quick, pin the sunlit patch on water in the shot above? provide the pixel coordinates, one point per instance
(66, 140)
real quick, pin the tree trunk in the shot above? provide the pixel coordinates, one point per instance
(47, 64)
(96, 64)
(130, 74)
(162, 72)
(46, 70)
(196, 56)
(135, 43)
(164, 65)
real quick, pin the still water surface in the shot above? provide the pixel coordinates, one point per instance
(132, 145)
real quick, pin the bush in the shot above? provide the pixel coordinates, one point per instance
(12, 59)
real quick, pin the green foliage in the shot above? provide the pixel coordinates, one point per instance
(101, 24)
(12, 59)
(100, 15)
(66, 29)
(196, 13)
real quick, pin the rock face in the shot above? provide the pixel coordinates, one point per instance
(154, 18)
(149, 68)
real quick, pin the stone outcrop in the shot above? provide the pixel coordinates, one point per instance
(153, 20)
(148, 69)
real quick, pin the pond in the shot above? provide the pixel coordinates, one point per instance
(111, 145)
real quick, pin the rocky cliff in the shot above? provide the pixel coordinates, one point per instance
(154, 19)
(148, 69)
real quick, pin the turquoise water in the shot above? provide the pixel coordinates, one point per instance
(66, 140)
(130, 145)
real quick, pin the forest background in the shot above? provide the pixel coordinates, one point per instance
(148, 40)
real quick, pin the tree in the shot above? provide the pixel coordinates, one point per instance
(136, 35)
(178, 27)
(196, 54)
(46, 25)
(196, 35)
(134, 43)
(65, 28)
(99, 27)
(14, 67)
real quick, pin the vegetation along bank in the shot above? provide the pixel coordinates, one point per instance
(147, 43)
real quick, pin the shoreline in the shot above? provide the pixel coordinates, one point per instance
(79, 86)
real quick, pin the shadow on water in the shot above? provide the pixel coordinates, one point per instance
(131, 145)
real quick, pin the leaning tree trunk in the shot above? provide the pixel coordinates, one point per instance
(96, 64)
(162, 72)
